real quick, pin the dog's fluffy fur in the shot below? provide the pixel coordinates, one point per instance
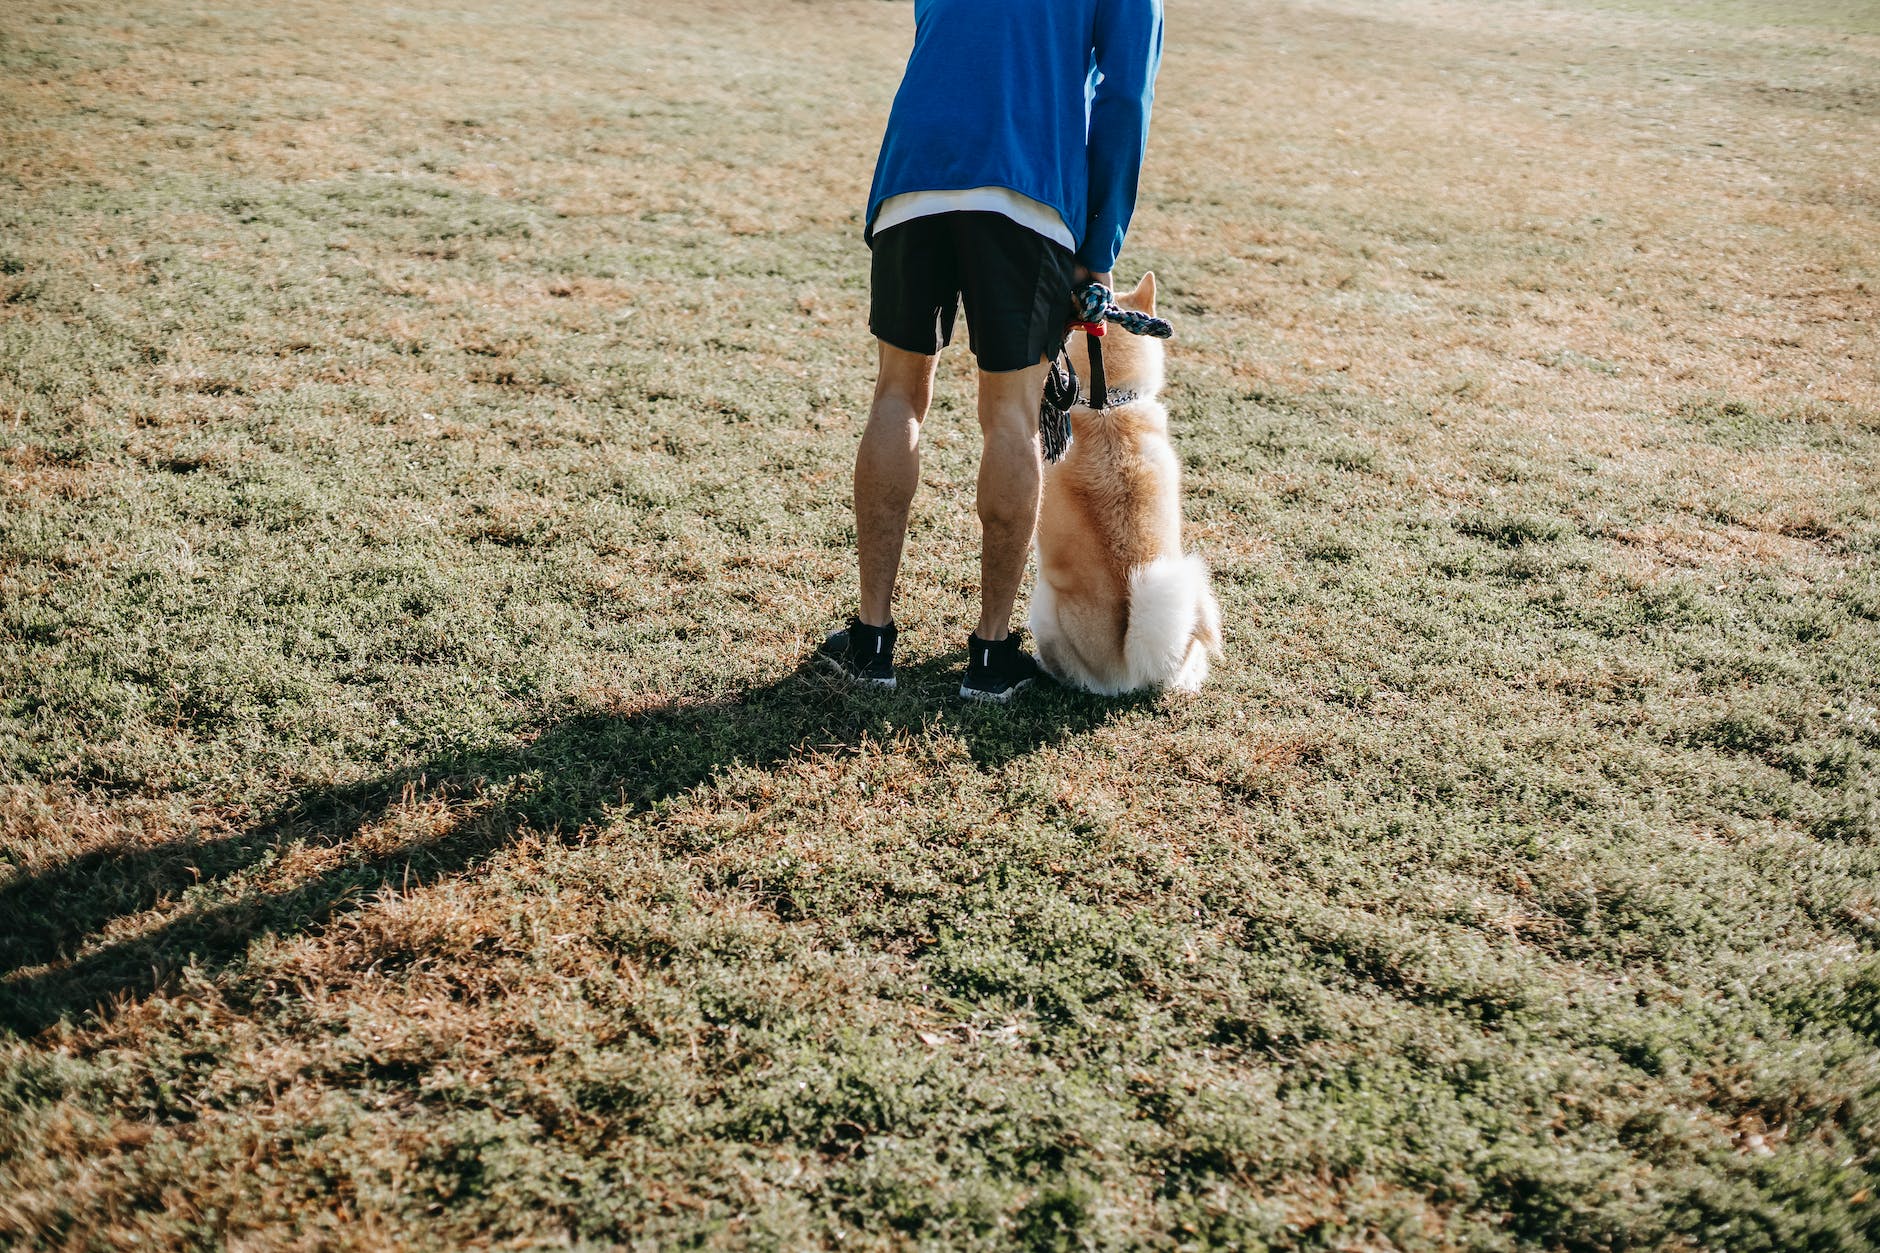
(1118, 606)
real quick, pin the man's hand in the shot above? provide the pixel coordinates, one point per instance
(1080, 276)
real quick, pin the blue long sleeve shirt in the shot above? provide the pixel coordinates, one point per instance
(1049, 98)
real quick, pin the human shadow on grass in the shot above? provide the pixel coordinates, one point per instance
(570, 775)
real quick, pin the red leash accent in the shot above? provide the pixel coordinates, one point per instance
(1089, 328)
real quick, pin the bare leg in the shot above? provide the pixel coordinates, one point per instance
(887, 470)
(1009, 479)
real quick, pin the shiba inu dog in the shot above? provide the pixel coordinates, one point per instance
(1118, 606)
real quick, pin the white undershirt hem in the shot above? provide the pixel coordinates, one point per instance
(1031, 214)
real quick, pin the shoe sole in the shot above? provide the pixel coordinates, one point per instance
(994, 698)
(886, 685)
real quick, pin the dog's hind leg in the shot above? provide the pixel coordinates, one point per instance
(1194, 669)
(1208, 629)
(1047, 633)
(1070, 635)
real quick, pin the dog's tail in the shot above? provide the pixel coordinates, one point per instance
(1174, 624)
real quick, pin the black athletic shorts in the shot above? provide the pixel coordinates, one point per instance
(1016, 284)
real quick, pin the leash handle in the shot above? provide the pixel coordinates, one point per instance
(1091, 302)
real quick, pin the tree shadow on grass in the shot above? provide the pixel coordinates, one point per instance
(566, 778)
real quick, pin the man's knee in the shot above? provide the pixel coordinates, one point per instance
(1010, 430)
(905, 380)
(1008, 422)
(1008, 402)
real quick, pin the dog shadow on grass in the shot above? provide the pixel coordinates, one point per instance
(574, 773)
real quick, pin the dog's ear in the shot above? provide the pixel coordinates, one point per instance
(1143, 298)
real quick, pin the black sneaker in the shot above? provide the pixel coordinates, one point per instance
(862, 653)
(996, 669)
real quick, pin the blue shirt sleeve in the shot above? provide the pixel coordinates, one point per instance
(1127, 51)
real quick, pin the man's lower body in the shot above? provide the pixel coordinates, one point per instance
(1016, 286)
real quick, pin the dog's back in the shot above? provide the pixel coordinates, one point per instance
(1118, 607)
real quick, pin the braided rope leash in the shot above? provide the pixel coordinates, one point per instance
(1096, 304)
(1095, 307)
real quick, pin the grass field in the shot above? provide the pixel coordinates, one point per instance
(424, 451)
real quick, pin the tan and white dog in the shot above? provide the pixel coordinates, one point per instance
(1118, 606)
